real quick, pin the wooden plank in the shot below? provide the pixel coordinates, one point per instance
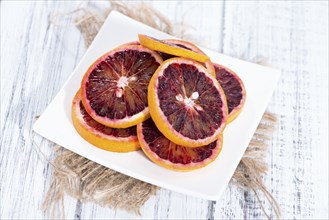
(293, 36)
(34, 66)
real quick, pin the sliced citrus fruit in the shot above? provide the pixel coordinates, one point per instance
(186, 103)
(172, 156)
(111, 139)
(114, 89)
(234, 90)
(168, 48)
(185, 45)
(189, 46)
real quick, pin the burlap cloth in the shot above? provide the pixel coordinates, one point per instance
(88, 181)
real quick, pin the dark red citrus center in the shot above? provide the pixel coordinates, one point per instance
(168, 150)
(117, 86)
(231, 86)
(190, 101)
(117, 132)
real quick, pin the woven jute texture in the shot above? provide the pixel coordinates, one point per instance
(90, 182)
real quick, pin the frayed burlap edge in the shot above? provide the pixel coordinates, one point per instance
(90, 182)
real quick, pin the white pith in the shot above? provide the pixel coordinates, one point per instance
(122, 82)
(189, 102)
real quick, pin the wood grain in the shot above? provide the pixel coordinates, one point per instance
(37, 58)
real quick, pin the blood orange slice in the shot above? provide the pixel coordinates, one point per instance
(172, 156)
(168, 48)
(111, 139)
(186, 103)
(185, 45)
(189, 46)
(234, 90)
(114, 89)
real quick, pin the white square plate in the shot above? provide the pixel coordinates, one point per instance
(55, 123)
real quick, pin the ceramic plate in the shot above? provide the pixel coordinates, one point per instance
(55, 123)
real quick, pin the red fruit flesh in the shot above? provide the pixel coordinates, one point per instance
(203, 118)
(116, 132)
(232, 86)
(108, 99)
(158, 144)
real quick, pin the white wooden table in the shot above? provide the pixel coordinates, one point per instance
(37, 58)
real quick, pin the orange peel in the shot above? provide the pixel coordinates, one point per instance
(216, 118)
(158, 45)
(172, 156)
(99, 135)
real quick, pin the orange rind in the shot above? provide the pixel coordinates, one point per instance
(114, 88)
(167, 154)
(234, 90)
(158, 45)
(106, 138)
(187, 104)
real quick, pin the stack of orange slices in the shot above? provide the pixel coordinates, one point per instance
(164, 96)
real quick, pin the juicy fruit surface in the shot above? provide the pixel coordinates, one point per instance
(117, 132)
(189, 98)
(190, 102)
(186, 103)
(111, 139)
(233, 88)
(168, 154)
(115, 88)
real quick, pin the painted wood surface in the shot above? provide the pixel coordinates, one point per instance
(37, 58)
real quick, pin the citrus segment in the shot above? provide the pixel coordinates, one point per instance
(111, 139)
(233, 88)
(186, 103)
(114, 89)
(172, 156)
(168, 48)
